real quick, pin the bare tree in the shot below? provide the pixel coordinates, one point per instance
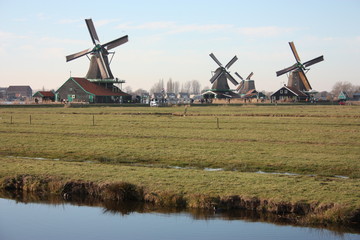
(195, 87)
(140, 91)
(128, 89)
(186, 87)
(347, 87)
(176, 87)
(170, 86)
(157, 87)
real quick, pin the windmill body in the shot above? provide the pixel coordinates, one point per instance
(297, 77)
(295, 81)
(221, 82)
(245, 85)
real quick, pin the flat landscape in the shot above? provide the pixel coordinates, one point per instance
(284, 153)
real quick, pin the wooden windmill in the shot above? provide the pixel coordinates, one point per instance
(246, 84)
(219, 80)
(297, 76)
(99, 63)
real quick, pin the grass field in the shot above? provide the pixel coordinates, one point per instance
(167, 149)
(321, 140)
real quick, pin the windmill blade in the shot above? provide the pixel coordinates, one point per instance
(304, 80)
(77, 55)
(215, 59)
(313, 61)
(231, 79)
(250, 75)
(102, 65)
(239, 76)
(293, 49)
(92, 31)
(217, 74)
(285, 70)
(241, 85)
(116, 42)
(234, 59)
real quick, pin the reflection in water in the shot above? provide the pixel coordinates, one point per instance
(131, 219)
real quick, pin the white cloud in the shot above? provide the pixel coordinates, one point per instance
(173, 28)
(148, 26)
(53, 40)
(104, 22)
(10, 36)
(268, 31)
(53, 53)
(200, 28)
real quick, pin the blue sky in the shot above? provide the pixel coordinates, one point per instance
(173, 39)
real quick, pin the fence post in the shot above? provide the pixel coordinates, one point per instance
(217, 122)
(30, 119)
(93, 120)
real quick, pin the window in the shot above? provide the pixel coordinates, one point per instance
(281, 91)
(285, 91)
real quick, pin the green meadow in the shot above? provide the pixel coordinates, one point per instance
(312, 140)
(283, 153)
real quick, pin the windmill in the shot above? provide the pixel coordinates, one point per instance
(220, 77)
(99, 62)
(245, 85)
(297, 77)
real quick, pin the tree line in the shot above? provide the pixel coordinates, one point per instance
(170, 86)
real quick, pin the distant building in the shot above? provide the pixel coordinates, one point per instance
(145, 98)
(343, 96)
(44, 96)
(2, 93)
(184, 98)
(83, 90)
(18, 93)
(356, 96)
(286, 93)
(171, 98)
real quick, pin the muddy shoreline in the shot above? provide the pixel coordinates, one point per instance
(300, 213)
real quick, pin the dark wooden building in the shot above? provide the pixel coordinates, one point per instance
(18, 93)
(44, 96)
(83, 90)
(289, 94)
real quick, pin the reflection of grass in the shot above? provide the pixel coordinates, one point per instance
(321, 140)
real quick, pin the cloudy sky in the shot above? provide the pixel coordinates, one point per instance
(173, 39)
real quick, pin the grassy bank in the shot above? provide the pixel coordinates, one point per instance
(305, 199)
(164, 151)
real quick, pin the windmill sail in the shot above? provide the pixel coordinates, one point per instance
(99, 64)
(298, 78)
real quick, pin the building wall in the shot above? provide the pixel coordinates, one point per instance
(283, 94)
(18, 92)
(72, 92)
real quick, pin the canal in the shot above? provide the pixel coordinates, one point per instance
(62, 220)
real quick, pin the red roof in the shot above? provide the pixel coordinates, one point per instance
(97, 89)
(47, 93)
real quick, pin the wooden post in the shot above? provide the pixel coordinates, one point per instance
(93, 120)
(30, 120)
(11, 122)
(217, 122)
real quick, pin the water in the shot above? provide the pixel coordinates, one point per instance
(39, 221)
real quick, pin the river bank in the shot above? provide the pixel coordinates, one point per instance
(303, 200)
